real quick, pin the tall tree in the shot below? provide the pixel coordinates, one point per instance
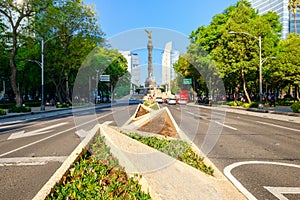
(72, 32)
(104, 62)
(18, 15)
(237, 56)
(286, 69)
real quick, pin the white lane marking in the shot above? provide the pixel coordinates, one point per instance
(189, 112)
(4, 123)
(32, 124)
(108, 122)
(238, 185)
(278, 126)
(279, 191)
(51, 136)
(194, 114)
(41, 131)
(230, 127)
(81, 133)
(29, 161)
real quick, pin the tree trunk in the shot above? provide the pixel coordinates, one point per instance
(297, 92)
(245, 88)
(13, 67)
(291, 91)
(236, 92)
(58, 90)
(67, 92)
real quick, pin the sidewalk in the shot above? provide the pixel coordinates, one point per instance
(34, 110)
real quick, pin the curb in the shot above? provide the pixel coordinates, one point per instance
(64, 168)
(72, 109)
(249, 109)
(32, 113)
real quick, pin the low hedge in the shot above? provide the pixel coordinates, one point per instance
(19, 109)
(97, 175)
(64, 105)
(243, 104)
(2, 111)
(178, 149)
(296, 107)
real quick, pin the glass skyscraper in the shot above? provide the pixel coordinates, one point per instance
(281, 8)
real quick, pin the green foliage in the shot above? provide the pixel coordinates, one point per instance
(286, 70)
(97, 175)
(246, 105)
(33, 103)
(231, 103)
(2, 111)
(178, 149)
(19, 109)
(254, 105)
(236, 56)
(7, 105)
(17, 15)
(64, 105)
(296, 107)
(239, 103)
(285, 102)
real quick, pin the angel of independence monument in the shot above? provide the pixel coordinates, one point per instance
(150, 81)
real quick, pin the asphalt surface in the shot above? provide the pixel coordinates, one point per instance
(258, 150)
(33, 147)
(260, 153)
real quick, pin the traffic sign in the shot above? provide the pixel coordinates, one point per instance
(104, 78)
(187, 81)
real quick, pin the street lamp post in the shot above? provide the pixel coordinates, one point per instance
(42, 66)
(260, 105)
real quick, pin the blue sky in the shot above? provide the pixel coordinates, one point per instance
(124, 22)
(184, 16)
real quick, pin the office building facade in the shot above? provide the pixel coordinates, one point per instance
(133, 63)
(281, 8)
(168, 59)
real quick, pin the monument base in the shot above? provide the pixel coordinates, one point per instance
(150, 82)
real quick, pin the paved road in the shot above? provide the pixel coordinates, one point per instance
(32, 147)
(260, 155)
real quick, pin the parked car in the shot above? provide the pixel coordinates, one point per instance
(172, 101)
(166, 100)
(159, 100)
(135, 101)
(182, 101)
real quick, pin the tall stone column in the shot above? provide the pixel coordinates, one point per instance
(150, 81)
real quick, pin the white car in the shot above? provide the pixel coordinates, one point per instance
(182, 101)
(172, 101)
(159, 100)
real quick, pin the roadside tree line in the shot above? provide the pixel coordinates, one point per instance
(69, 31)
(215, 52)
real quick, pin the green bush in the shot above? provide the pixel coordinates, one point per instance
(19, 109)
(254, 105)
(285, 102)
(246, 105)
(239, 103)
(178, 149)
(154, 106)
(296, 107)
(64, 105)
(33, 103)
(97, 175)
(2, 112)
(231, 103)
